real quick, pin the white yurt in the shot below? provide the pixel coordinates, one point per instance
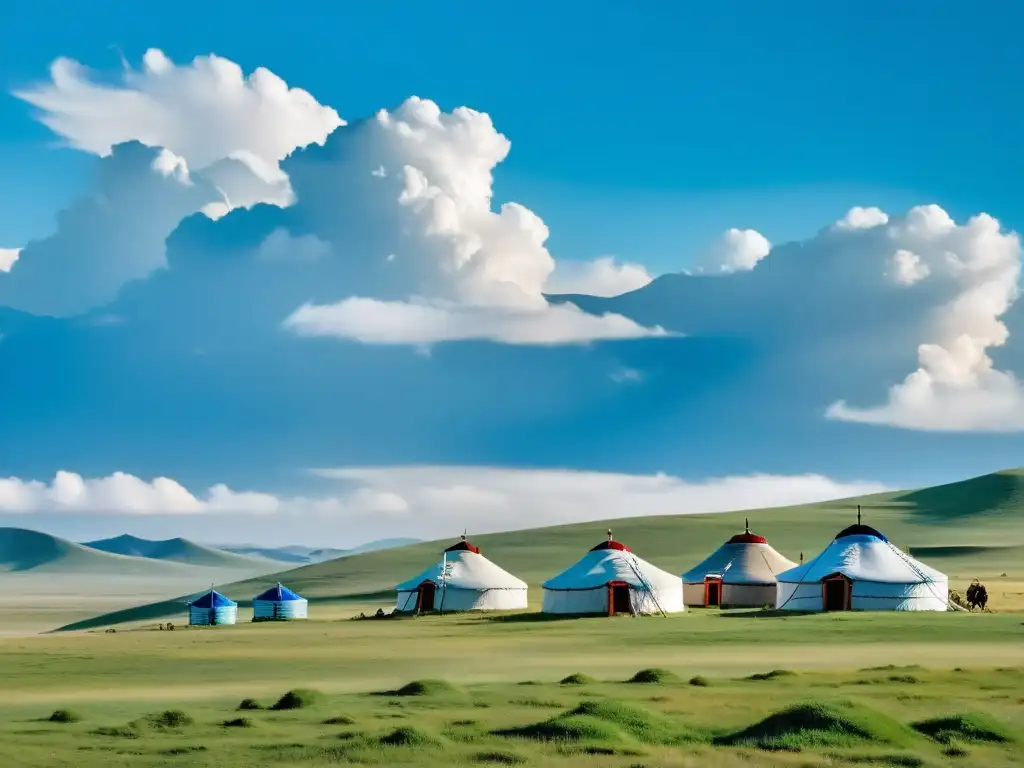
(279, 604)
(212, 609)
(463, 580)
(610, 579)
(861, 570)
(739, 574)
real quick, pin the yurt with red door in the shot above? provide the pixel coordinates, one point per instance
(463, 580)
(610, 579)
(739, 574)
(861, 570)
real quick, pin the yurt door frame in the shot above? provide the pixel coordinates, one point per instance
(712, 591)
(425, 596)
(618, 598)
(836, 593)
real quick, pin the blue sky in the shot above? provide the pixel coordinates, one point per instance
(637, 114)
(639, 132)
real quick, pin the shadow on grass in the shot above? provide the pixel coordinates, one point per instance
(538, 618)
(768, 614)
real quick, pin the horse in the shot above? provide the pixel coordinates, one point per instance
(977, 595)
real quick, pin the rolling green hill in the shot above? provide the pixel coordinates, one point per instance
(23, 550)
(984, 538)
(179, 551)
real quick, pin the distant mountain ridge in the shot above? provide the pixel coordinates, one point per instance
(301, 555)
(23, 550)
(177, 550)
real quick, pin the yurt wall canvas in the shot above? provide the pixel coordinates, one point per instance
(464, 580)
(861, 570)
(739, 574)
(279, 604)
(610, 579)
(212, 609)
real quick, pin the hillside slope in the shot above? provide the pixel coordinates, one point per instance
(996, 494)
(179, 550)
(985, 544)
(22, 550)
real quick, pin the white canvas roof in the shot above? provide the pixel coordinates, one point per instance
(863, 554)
(745, 559)
(600, 566)
(466, 570)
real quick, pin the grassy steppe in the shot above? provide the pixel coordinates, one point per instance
(729, 690)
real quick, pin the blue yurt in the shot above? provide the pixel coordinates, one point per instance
(211, 609)
(279, 604)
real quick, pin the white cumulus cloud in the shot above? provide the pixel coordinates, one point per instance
(601, 277)
(203, 111)
(975, 267)
(737, 250)
(122, 493)
(405, 199)
(862, 218)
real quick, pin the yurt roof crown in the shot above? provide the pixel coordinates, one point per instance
(212, 599)
(279, 594)
(859, 529)
(610, 544)
(747, 537)
(463, 546)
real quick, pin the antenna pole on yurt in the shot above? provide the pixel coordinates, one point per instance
(858, 514)
(746, 525)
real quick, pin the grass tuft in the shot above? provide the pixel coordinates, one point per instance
(410, 737)
(892, 668)
(498, 757)
(577, 678)
(911, 679)
(338, 720)
(533, 701)
(654, 676)
(64, 716)
(239, 722)
(426, 688)
(699, 681)
(129, 731)
(818, 724)
(183, 750)
(299, 698)
(955, 749)
(969, 727)
(606, 722)
(169, 720)
(249, 704)
(773, 675)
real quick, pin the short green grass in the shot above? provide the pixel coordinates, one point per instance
(815, 718)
